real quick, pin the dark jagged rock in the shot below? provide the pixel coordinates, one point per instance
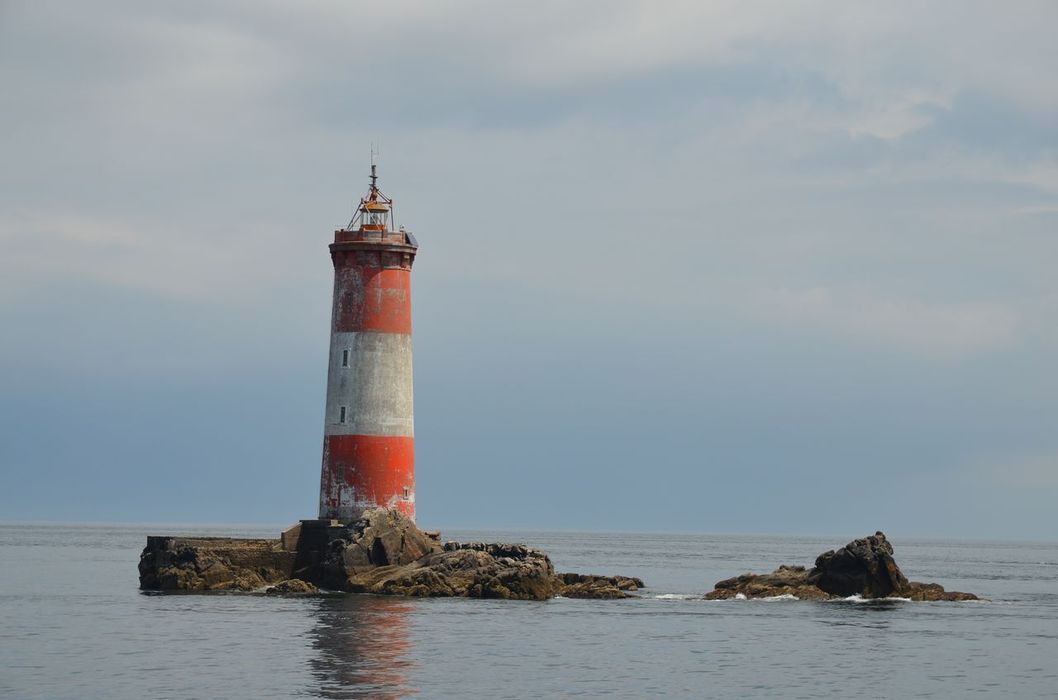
(381, 538)
(383, 552)
(864, 567)
(385, 538)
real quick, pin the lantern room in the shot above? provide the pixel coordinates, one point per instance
(374, 215)
(374, 211)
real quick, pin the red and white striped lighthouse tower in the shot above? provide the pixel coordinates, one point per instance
(368, 433)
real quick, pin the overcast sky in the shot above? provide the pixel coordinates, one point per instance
(686, 266)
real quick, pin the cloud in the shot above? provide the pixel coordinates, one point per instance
(162, 258)
(939, 329)
(706, 192)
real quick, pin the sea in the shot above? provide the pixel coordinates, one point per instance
(73, 624)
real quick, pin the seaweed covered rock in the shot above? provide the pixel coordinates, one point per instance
(485, 570)
(383, 552)
(474, 570)
(864, 567)
(372, 558)
(933, 591)
(784, 581)
(292, 586)
(600, 587)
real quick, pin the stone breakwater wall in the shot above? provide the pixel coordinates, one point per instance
(213, 564)
(383, 552)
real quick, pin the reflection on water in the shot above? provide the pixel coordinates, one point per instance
(362, 647)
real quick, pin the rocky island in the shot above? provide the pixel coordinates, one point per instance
(864, 567)
(383, 552)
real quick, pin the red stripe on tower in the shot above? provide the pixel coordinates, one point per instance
(369, 443)
(373, 298)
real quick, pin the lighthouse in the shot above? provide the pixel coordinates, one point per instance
(368, 433)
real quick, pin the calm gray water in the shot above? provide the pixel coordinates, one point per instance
(74, 625)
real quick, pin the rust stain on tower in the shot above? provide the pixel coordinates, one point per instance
(368, 434)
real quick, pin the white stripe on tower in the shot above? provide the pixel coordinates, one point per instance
(371, 377)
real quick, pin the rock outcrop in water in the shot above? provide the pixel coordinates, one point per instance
(383, 552)
(292, 586)
(864, 567)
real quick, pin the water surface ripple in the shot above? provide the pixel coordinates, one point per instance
(74, 625)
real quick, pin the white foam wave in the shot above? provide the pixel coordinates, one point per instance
(770, 598)
(857, 598)
(677, 596)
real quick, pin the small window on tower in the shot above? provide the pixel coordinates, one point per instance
(341, 414)
(345, 358)
(407, 494)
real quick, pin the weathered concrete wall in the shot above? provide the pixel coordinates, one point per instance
(213, 563)
(370, 374)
